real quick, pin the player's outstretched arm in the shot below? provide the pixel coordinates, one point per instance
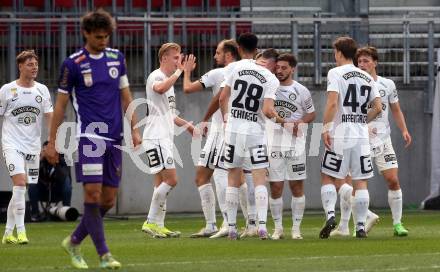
(180, 122)
(188, 66)
(376, 109)
(57, 119)
(400, 122)
(126, 99)
(163, 86)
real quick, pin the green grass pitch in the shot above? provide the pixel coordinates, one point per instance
(420, 251)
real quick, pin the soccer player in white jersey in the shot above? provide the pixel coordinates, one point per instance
(23, 102)
(226, 53)
(159, 133)
(245, 101)
(287, 157)
(382, 148)
(345, 134)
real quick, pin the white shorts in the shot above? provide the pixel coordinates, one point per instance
(159, 154)
(19, 163)
(384, 156)
(246, 151)
(353, 156)
(210, 152)
(286, 165)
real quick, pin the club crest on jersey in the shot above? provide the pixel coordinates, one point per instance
(170, 160)
(292, 96)
(113, 72)
(382, 93)
(38, 98)
(88, 80)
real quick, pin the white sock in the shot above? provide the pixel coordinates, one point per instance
(158, 202)
(10, 222)
(232, 200)
(261, 202)
(221, 182)
(329, 197)
(361, 202)
(208, 205)
(161, 215)
(395, 202)
(18, 194)
(252, 209)
(345, 204)
(243, 195)
(298, 206)
(353, 210)
(276, 209)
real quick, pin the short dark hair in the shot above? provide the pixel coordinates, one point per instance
(248, 42)
(370, 51)
(270, 53)
(231, 46)
(347, 46)
(290, 58)
(25, 55)
(98, 20)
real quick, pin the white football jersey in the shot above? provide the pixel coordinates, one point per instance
(250, 84)
(23, 110)
(356, 89)
(380, 127)
(213, 79)
(161, 109)
(292, 103)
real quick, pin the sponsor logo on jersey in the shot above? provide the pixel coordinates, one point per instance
(111, 55)
(38, 98)
(351, 74)
(11, 167)
(27, 119)
(282, 113)
(298, 167)
(85, 65)
(113, 63)
(80, 58)
(33, 172)
(172, 102)
(25, 109)
(88, 80)
(285, 104)
(113, 72)
(390, 158)
(253, 73)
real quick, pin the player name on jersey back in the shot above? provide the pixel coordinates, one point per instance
(250, 84)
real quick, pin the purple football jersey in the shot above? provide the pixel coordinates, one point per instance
(94, 82)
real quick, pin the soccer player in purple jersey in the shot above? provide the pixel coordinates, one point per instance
(95, 80)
